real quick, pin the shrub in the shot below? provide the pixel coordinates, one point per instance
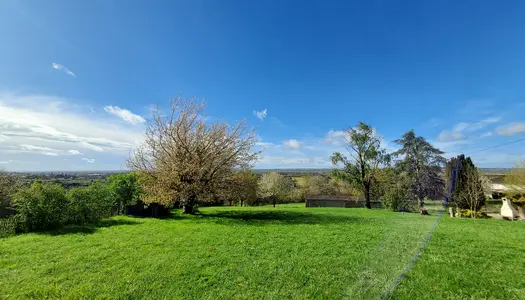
(8, 185)
(467, 213)
(42, 206)
(124, 189)
(12, 225)
(398, 198)
(88, 204)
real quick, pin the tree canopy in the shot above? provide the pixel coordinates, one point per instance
(186, 159)
(366, 158)
(422, 164)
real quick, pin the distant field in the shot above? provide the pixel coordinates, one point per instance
(271, 253)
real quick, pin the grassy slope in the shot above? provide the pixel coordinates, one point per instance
(470, 259)
(287, 252)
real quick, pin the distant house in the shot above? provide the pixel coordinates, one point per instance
(338, 201)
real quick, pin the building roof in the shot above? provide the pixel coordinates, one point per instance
(336, 198)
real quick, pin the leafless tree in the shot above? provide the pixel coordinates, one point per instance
(184, 159)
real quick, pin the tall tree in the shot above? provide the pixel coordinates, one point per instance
(275, 186)
(467, 192)
(422, 163)
(367, 156)
(185, 159)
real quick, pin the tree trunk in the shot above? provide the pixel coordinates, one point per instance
(274, 201)
(189, 206)
(367, 196)
(420, 202)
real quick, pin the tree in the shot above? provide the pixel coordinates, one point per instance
(183, 158)
(367, 157)
(515, 181)
(275, 186)
(467, 193)
(8, 185)
(422, 162)
(124, 189)
(319, 185)
(242, 187)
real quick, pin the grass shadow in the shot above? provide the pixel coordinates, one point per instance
(276, 217)
(88, 228)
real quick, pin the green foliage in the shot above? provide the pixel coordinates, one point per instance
(399, 196)
(422, 163)
(467, 213)
(89, 204)
(124, 188)
(43, 205)
(8, 185)
(241, 188)
(468, 191)
(13, 225)
(367, 157)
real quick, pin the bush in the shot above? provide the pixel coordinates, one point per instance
(467, 213)
(8, 185)
(12, 225)
(399, 198)
(124, 189)
(42, 206)
(89, 204)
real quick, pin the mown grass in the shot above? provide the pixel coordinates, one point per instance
(259, 252)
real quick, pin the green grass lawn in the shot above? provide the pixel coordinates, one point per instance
(266, 252)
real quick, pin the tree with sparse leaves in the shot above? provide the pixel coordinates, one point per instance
(275, 187)
(515, 181)
(186, 160)
(422, 163)
(242, 188)
(367, 157)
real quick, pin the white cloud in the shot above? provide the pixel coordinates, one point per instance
(88, 160)
(5, 162)
(334, 137)
(63, 68)
(447, 136)
(459, 130)
(511, 129)
(74, 152)
(293, 144)
(261, 114)
(58, 125)
(124, 114)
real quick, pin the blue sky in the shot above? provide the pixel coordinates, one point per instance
(78, 78)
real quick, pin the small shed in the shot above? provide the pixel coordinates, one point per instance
(338, 201)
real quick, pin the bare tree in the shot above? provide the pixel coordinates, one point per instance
(367, 157)
(184, 159)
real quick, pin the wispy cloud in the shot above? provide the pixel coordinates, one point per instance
(261, 114)
(63, 68)
(458, 131)
(293, 144)
(88, 160)
(74, 152)
(447, 136)
(511, 129)
(58, 127)
(124, 114)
